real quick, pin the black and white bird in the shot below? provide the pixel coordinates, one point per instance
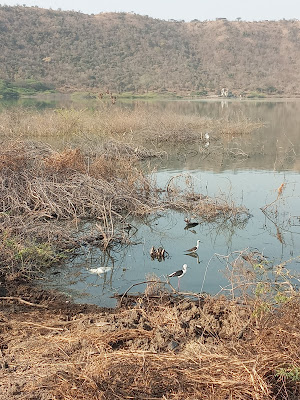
(179, 273)
(193, 249)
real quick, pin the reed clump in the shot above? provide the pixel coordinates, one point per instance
(138, 125)
(69, 184)
(103, 121)
(238, 126)
(204, 208)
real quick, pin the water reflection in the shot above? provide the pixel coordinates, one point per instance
(248, 170)
(276, 235)
(275, 146)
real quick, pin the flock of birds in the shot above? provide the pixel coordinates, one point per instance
(160, 254)
(179, 274)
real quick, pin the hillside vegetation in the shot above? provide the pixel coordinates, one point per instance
(128, 52)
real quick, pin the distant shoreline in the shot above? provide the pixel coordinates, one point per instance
(88, 95)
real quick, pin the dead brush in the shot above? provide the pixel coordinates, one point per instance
(237, 126)
(141, 125)
(114, 168)
(204, 207)
(125, 148)
(14, 162)
(210, 209)
(149, 376)
(70, 159)
(54, 185)
(262, 285)
(154, 286)
(40, 188)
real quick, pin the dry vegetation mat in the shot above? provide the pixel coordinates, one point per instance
(164, 347)
(141, 124)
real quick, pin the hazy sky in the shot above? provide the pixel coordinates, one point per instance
(179, 9)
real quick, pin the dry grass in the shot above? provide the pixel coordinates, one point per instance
(134, 126)
(156, 350)
(38, 184)
(68, 184)
(202, 207)
(239, 126)
(101, 122)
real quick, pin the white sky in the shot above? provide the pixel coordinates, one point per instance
(251, 10)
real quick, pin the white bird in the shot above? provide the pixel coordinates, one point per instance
(179, 273)
(206, 136)
(99, 270)
(194, 249)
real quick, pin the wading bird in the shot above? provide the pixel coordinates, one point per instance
(188, 220)
(193, 249)
(99, 270)
(179, 274)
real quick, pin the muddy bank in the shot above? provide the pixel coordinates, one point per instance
(166, 347)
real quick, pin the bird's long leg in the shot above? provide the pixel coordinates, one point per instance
(178, 284)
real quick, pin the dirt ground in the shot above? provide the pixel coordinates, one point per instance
(159, 347)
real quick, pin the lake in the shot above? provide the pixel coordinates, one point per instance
(249, 172)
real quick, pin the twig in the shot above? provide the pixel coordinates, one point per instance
(22, 301)
(139, 283)
(42, 326)
(199, 296)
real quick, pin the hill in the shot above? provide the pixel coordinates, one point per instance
(129, 52)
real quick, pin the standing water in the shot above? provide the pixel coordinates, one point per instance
(259, 171)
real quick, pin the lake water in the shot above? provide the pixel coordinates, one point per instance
(248, 173)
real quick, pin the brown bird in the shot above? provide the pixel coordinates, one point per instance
(153, 252)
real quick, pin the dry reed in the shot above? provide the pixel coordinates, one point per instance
(133, 126)
(67, 185)
(203, 207)
(39, 184)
